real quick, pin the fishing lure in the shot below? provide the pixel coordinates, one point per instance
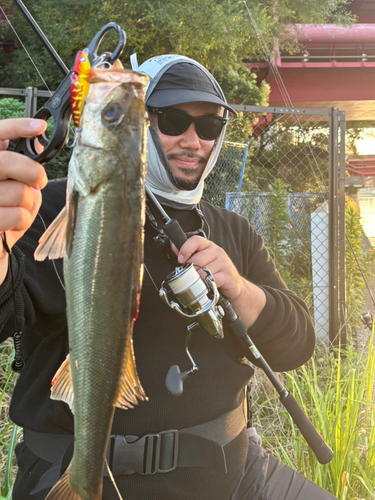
(80, 85)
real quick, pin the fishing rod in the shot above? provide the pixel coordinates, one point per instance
(192, 293)
(190, 289)
(42, 36)
(58, 107)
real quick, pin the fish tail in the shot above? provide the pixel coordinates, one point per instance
(63, 489)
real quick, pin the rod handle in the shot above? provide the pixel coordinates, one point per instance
(322, 451)
(175, 233)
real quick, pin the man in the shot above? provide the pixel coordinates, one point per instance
(188, 114)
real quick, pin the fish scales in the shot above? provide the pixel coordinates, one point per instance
(102, 269)
(100, 307)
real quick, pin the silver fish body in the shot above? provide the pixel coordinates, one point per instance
(103, 272)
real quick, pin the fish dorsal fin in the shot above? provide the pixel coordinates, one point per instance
(52, 241)
(130, 390)
(62, 385)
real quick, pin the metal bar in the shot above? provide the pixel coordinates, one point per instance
(307, 57)
(243, 167)
(342, 166)
(287, 111)
(23, 92)
(42, 36)
(30, 101)
(340, 49)
(333, 228)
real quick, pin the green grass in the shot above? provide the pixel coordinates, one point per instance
(337, 394)
(336, 391)
(8, 432)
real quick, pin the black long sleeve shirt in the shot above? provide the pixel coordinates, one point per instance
(283, 333)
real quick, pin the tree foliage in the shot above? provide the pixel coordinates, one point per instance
(11, 108)
(217, 33)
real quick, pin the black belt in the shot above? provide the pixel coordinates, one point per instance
(200, 445)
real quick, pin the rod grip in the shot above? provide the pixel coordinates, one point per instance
(175, 233)
(322, 451)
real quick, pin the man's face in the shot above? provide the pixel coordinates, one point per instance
(187, 153)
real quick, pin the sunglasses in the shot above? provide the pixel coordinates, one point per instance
(174, 122)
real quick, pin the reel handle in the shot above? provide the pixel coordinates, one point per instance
(175, 379)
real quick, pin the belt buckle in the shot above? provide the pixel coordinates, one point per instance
(149, 454)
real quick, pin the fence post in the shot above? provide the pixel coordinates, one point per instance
(31, 94)
(342, 228)
(243, 166)
(333, 227)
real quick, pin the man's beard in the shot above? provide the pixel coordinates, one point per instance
(189, 184)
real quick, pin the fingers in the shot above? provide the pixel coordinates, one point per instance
(19, 206)
(191, 246)
(4, 144)
(204, 253)
(13, 128)
(17, 166)
(21, 178)
(15, 194)
(22, 169)
(14, 219)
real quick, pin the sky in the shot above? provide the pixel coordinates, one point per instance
(366, 146)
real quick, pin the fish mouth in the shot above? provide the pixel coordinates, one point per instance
(88, 146)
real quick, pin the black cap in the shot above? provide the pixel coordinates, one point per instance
(185, 82)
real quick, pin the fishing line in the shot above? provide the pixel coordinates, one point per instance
(113, 480)
(360, 269)
(24, 48)
(283, 90)
(151, 278)
(270, 59)
(53, 262)
(31, 59)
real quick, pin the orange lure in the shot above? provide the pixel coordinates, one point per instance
(80, 85)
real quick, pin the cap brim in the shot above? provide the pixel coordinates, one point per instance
(165, 98)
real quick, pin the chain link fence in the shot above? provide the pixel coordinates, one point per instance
(227, 175)
(288, 180)
(281, 182)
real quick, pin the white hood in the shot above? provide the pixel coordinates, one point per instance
(159, 177)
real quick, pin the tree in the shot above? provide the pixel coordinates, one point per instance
(11, 108)
(218, 33)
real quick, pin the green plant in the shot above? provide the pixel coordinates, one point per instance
(8, 431)
(359, 263)
(277, 227)
(11, 108)
(336, 391)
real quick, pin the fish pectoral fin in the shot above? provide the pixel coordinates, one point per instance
(52, 241)
(63, 489)
(130, 390)
(62, 384)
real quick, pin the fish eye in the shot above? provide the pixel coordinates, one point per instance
(113, 113)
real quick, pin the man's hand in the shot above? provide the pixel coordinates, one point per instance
(247, 299)
(21, 181)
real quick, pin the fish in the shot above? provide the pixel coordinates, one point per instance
(100, 234)
(79, 88)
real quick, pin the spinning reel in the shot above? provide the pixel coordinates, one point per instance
(197, 303)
